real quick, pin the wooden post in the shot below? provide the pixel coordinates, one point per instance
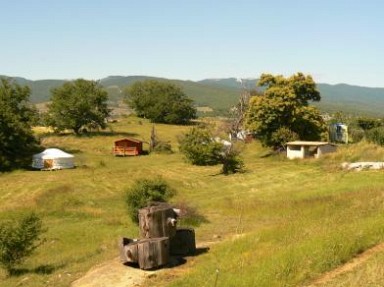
(153, 253)
(183, 243)
(158, 220)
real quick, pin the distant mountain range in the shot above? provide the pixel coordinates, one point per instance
(221, 94)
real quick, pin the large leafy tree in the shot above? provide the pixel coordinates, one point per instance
(283, 112)
(160, 102)
(16, 137)
(78, 105)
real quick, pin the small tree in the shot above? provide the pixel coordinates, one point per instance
(145, 191)
(158, 146)
(199, 147)
(232, 163)
(78, 105)
(18, 240)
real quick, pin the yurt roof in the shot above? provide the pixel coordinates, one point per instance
(50, 153)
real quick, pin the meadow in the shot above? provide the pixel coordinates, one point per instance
(280, 223)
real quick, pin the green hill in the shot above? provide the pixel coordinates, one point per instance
(341, 97)
(221, 94)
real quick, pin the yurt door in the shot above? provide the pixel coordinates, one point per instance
(48, 163)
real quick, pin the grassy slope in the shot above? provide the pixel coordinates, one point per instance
(298, 219)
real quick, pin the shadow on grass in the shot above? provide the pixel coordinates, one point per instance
(44, 269)
(178, 260)
(90, 134)
(174, 260)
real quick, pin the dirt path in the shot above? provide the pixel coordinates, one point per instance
(113, 274)
(349, 266)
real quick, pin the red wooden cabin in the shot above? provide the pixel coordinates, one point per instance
(128, 146)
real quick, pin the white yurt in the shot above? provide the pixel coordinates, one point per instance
(53, 158)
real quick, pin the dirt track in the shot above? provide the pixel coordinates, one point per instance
(349, 266)
(112, 274)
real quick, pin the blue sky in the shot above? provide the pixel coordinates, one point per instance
(336, 41)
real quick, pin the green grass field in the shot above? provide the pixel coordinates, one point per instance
(281, 223)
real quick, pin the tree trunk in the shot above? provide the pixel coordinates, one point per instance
(157, 221)
(183, 243)
(153, 253)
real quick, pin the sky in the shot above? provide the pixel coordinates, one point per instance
(334, 41)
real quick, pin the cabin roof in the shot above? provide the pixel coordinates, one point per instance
(129, 140)
(308, 143)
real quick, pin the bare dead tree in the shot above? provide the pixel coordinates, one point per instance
(153, 140)
(237, 113)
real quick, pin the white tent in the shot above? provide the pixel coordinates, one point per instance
(52, 158)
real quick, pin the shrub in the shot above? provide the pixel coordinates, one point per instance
(280, 137)
(356, 135)
(376, 135)
(199, 148)
(18, 240)
(145, 191)
(162, 147)
(368, 123)
(232, 163)
(189, 215)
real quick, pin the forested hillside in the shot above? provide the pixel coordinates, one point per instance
(221, 94)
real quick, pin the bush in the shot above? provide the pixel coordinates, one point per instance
(280, 137)
(189, 215)
(376, 135)
(162, 147)
(18, 240)
(356, 135)
(232, 163)
(199, 148)
(145, 191)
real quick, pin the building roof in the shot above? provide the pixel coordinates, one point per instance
(51, 153)
(129, 139)
(308, 143)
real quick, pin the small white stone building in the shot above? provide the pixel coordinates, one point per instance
(308, 149)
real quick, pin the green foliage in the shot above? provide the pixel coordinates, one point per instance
(78, 105)
(18, 240)
(368, 123)
(189, 215)
(285, 105)
(145, 191)
(158, 146)
(356, 134)
(232, 162)
(376, 135)
(281, 136)
(160, 102)
(162, 147)
(199, 147)
(16, 137)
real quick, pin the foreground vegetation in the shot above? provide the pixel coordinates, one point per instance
(281, 223)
